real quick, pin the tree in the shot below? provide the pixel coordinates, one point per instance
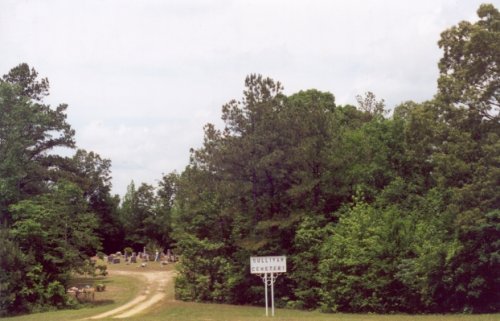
(310, 125)
(12, 275)
(370, 105)
(27, 81)
(29, 129)
(146, 214)
(93, 176)
(387, 214)
(55, 234)
(159, 226)
(57, 229)
(132, 217)
(474, 270)
(46, 225)
(469, 68)
(361, 258)
(310, 236)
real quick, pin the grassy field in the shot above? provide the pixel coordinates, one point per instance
(120, 289)
(207, 312)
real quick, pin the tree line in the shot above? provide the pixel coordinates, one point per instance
(376, 211)
(56, 212)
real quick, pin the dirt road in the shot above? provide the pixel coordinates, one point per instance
(153, 292)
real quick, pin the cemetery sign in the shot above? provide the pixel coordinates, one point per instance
(267, 264)
(268, 268)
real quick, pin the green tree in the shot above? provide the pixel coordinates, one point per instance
(287, 174)
(204, 271)
(369, 104)
(29, 129)
(93, 176)
(55, 233)
(12, 275)
(308, 243)
(159, 225)
(310, 124)
(474, 269)
(137, 207)
(234, 190)
(27, 81)
(47, 228)
(361, 258)
(146, 214)
(469, 68)
(203, 231)
(57, 228)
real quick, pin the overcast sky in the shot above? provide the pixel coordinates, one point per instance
(142, 77)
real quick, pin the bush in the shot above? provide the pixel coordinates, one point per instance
(128, 251)
(56, 295)
(103, 269)
(100, 255)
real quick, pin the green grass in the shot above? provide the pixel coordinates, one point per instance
(206, 312)
(172, 310)
(189, 311)
(121, 289)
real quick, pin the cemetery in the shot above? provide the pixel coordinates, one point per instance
(299, 203)
(141, 257)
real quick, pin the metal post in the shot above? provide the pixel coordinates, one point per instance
(272, 294)
(261, 265)
(265, 285)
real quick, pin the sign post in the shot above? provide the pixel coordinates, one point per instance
(268, 268)
(265, 291)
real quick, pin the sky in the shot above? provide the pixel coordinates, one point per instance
(142, 78)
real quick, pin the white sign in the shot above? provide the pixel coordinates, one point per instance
(267, 264)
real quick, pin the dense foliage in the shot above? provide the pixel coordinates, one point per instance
(375, 213)
(145, 215)
(54, 210)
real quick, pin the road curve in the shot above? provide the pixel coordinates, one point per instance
(153, 293)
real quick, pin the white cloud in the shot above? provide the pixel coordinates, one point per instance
(143, 77)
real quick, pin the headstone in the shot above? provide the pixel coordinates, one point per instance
(116, 260)
(133, 259)
(111, 258)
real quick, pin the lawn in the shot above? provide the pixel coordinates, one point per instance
(188, 311)
(121, 289)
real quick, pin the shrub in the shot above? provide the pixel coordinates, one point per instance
(128, 251)
(103, 269)
(100, 255)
